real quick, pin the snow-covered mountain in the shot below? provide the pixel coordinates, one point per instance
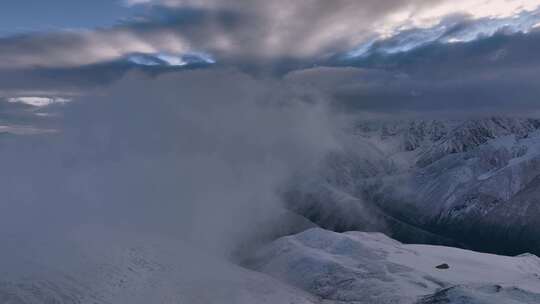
(107, 265)
(471, 183)
(358, 267)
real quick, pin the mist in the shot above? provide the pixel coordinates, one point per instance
(195, 155)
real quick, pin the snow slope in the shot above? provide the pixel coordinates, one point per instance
(105, 265)
(102, 265)
(357, 267)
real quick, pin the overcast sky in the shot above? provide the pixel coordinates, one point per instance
(395, 55)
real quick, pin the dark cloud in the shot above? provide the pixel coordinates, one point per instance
(71, 82)
(494, 74)
(414, 69)
(497, 74)
(264, 37)
(229, 29)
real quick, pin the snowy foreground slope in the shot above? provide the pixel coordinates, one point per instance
(358, 267)
(103, 266)
(107, 266)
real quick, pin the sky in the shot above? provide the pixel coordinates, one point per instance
(390, 56)
(34, 15)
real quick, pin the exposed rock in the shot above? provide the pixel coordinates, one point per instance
(443, 266)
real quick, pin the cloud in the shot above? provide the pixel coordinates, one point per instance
(452, 29)
(85, 47)
(164, 59)
(167, 154)
(38, 101)
(490, 76)
(236, 31)
(192, 158)
(340, 25)
(415, 54)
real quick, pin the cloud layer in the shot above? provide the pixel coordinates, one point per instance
(413, 54)
(236, 30)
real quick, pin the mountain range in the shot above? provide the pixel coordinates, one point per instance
(471, 183)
